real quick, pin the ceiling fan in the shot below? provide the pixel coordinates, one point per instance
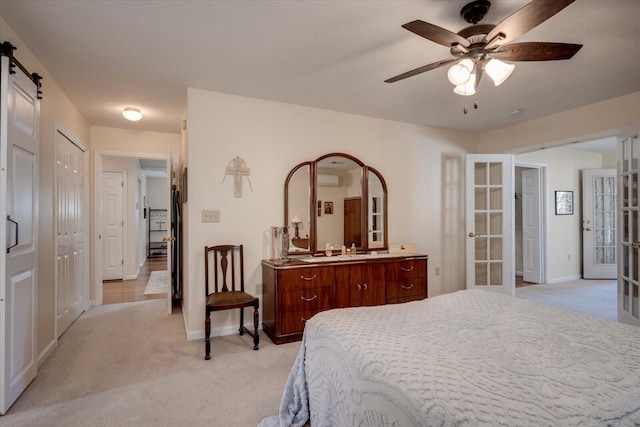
(482, 47)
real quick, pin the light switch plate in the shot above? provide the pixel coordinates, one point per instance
(210, 216)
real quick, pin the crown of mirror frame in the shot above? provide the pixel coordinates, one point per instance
(333, 201)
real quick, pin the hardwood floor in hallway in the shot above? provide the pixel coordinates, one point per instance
(117, 291)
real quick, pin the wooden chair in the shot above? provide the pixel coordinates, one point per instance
(223, 298)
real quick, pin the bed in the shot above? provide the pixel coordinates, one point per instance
(467, 358)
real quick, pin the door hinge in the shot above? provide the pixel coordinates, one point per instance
(122, 184)
(122, 262)
(123, 223)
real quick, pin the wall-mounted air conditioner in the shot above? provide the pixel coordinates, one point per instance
(328, 180)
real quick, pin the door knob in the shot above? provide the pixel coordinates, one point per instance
(587, 229)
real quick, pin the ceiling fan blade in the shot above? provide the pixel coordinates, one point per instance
(420, 70)
(435, 34)
(526, 18)
(537, 51)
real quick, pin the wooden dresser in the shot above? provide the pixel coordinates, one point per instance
(294, 290)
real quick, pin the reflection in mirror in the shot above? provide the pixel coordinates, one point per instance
(298, 208)
(339, 203)
(376, 209)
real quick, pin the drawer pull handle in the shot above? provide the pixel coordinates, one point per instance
(308, 278)
(406, 269)
(407, 287)
(364, 286)
(309, 299)
(359, 287)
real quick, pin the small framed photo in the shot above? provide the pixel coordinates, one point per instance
(328, 208)
(564, 202)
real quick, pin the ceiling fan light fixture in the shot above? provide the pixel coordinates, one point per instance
(460, 73)
(132, 113)
(467, 89)
(498, 71)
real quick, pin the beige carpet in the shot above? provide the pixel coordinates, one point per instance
(158, 283)
(130, 365)
(597, 298)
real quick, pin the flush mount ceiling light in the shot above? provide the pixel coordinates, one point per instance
(132, 113)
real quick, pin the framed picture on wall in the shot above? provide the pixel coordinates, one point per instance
(328, 208)
(564, 202)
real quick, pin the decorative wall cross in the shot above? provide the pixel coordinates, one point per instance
(238, 168)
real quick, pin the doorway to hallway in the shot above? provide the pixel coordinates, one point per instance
(119, 291)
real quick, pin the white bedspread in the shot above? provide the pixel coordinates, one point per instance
(467, 358)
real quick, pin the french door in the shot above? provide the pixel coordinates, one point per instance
(489, 223)
(599, 223)
(629, 230)
(19, 145)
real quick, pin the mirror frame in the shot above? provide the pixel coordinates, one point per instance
(313, 200)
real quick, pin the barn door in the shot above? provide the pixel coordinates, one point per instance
(19, 117)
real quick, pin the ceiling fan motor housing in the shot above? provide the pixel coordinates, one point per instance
(475, 11)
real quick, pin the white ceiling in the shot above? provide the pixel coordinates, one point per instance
(108, 54)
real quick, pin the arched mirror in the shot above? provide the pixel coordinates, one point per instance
(297, 196)
(333, 201)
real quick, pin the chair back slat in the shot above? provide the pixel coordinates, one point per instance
(226, 255)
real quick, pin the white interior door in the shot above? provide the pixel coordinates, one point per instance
(531, 230)
(71, 290)
(112, 226)
(489, 225)
(629, 231)
(19, 119)
(599, 223)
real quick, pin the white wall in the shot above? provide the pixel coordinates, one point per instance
(601, 119)
(54, 107)
(273, 138)
(157, 193)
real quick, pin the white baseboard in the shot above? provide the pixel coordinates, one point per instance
(131, 277)
(564, 279)
(519, 273)
(47, 352)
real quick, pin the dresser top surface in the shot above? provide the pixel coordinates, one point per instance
(338, 260)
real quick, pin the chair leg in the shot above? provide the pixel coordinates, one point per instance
(207, 341)
(241, 321)
(256, 337)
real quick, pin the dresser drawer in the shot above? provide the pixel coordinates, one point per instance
(307, 299)
(406, 288)
(293, 322)
(306, 278)
(401, 270)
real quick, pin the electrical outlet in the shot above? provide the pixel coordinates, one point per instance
(437, 271)
(569, 257)
(210, 216)
(258, 289)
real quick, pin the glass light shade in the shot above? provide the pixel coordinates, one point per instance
(498, 71)
(295, 220)
(467, 89)
(460, 73)
(131, 113)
